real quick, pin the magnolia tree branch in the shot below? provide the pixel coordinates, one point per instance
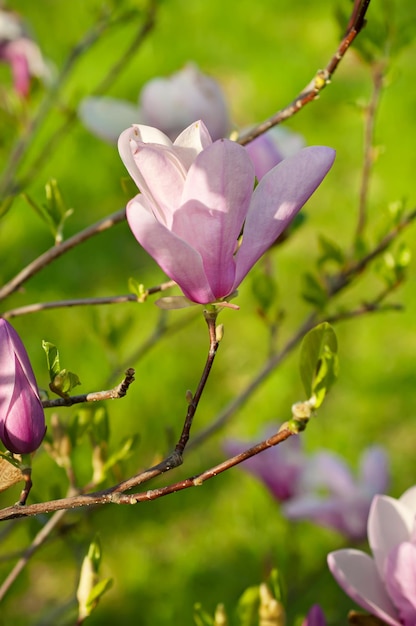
(117, 392)
(53, 253)
(339, 282)
(114, 496)
(60, 304)
(321, 79)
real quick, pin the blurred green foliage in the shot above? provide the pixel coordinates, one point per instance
(206, 545)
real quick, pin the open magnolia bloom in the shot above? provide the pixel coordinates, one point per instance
(196, 196)
(384, 585)
(22, 420)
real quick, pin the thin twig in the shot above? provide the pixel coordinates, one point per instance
(210, 319)
(113, 494)
(112, 394)
(64, 304)
(57, 251)
(369, 126)
(321, 79)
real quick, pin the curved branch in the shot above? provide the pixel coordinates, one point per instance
(321, 79)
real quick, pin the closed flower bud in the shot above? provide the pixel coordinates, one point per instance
(22, 420)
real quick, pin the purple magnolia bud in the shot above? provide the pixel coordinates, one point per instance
(22, 420)
(315, 617)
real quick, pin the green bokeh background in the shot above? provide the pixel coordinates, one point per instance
(207, 545)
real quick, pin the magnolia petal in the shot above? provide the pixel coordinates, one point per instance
(400, 580)
(215, 200)
(177, 258)
(408, 499)
(328, 470)
(374, 474)
(107, 117)
(163, 179)
(277, 199)
(191, 142)
(389, 524)
(24, 425)
(357, 574)
(264, 153)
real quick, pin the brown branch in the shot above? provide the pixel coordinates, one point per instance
(113, 495)
(61, 304)
(53, 253)
(96, 396)
(321, 79)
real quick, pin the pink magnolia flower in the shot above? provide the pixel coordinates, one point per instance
(197, 195)
(22, 420)
(169, 104)
(315, 617)
(384, 585)
(331, 496)
(20, 52)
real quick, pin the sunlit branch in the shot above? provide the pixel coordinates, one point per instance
(113, 495)
(112, 394)
(60, 304)
(321, 79)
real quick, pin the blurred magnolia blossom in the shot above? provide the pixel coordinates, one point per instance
(384, 585)
(315, 617)
(169, 104)
(18, 50)
(196, 195)
(331, 496)
(280, 468)
(173, 103)
(318, 487)
(22, 419)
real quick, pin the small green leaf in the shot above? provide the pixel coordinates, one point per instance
(313, 291)
(248, 606)
(52, 358)
(97, 592)
(64, 382)
(330, 251)
(319, 362)
(137, 288)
